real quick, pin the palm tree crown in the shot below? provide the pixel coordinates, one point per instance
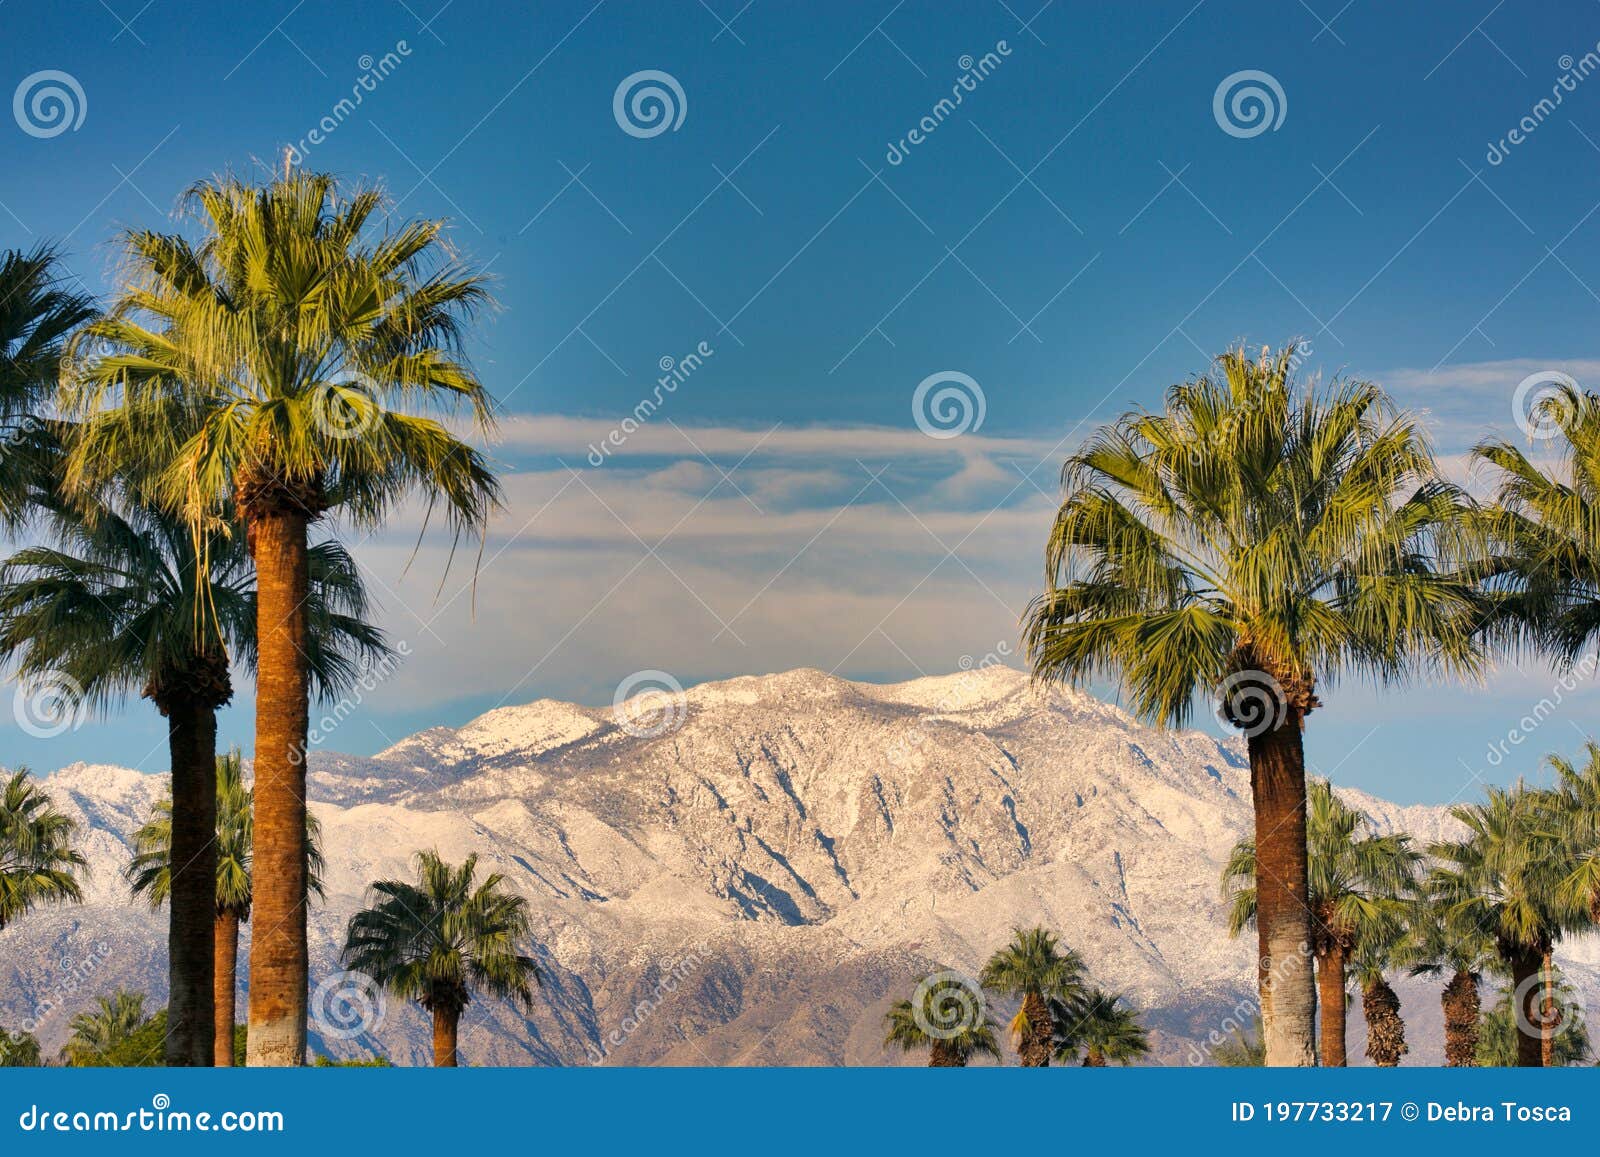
(113, 1019)
(38, 864)
(1046, 976)
(1104, 1029)
(950, 1045)
(437, 940)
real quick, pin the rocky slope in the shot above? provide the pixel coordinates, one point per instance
(755, 884)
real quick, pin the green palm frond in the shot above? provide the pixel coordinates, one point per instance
(38, 863)
(1101, 1028)
(439, 939)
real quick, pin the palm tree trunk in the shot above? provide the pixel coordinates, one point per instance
(278, 956)
(222, 988)
(1283, 913)
(1548, 1017)
(1386, 1031)
(1331, 1005)
(1525, 967)
(1461, 1009)
(445, 1022)
(1094, 1059)
(1034, 1047)
(192, 742)
(944, 1056)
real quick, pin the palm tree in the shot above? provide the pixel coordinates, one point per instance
(1503, 881)
(36, 316)
(1577, 814)
(1436, 946)
(1045, 976)
(130, 599)
(38, 864)
(19, 1050)
(1254, 542)
(113, 1020)
(150, 875)
(1103, 1028)
(951, 1041)
(1499, 1041)
(1247, 1050)
(436, 940)
(1380, 1004)
(1358, 880)
(292, 361)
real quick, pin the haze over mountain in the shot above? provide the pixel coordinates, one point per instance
(755, 884)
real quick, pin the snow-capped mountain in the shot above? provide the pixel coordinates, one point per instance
(755, 883)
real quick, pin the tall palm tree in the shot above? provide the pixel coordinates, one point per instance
(150, 875)
(910, 1028)
(438, 939)
(295, 359)
(1103, 1028)
(38, 864)
(1254, 542)
(130, 599)
(1503, 881)
(37, 314)
(1436, 946)
(1358, 882)
(1046, 977)
(113, 1020)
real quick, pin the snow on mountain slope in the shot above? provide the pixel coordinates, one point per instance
(757, 885)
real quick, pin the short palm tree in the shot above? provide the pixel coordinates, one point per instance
(129, 599)
(38, 864)
(950, 1043)
(1374, 956)
(1503, 881)
(1250, 544)
(113, 1020)
(437, 940)
(296, 360)
(1359, 881)
(1246, 1049)
(150, 875)
(1045, 976)
(1499, 1041)
(1103, 1028)
(37, 314)
(1461, 952)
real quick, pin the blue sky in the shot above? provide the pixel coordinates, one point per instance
(1078, 234)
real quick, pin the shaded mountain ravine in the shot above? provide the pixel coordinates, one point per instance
(757, 885)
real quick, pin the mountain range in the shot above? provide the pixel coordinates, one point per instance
(749, 873)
